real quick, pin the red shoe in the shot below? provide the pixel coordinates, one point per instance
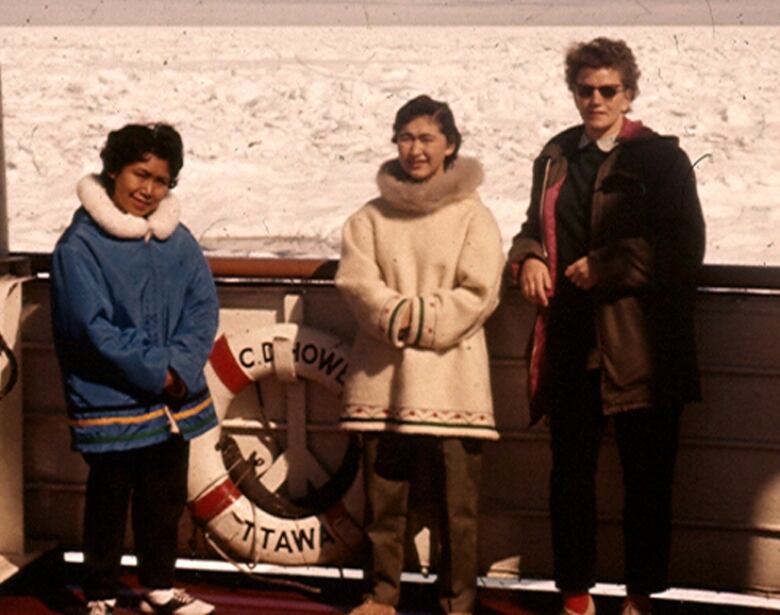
(590, 610)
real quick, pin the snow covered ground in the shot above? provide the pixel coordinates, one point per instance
(284, 127)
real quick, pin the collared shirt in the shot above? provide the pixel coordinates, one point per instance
(571, 313)
(605, 144)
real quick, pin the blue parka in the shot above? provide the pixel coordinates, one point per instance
(131, 299)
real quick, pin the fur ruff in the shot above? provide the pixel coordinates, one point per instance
(161, 223)
(458, 182)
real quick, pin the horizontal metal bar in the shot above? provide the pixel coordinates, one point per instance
(255, 426)
(542, 435)
(733, 277)
(536, 435)
(744, 445)
(56, 487)
(708, 368)
(527, 435)
(517, 363)
(37, 346)
(772, 530)
(521, 364)
(525, 584)
(740, 370)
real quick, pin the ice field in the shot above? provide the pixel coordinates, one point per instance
(285, 127)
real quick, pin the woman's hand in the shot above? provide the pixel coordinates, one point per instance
(580, 274)
(535, 282)
(174, 387)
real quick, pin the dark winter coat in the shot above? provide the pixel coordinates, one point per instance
(646, 244)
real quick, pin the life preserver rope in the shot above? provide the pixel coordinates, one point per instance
(244, 518)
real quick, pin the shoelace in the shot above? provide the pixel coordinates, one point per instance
(181, 597)
(98, 607)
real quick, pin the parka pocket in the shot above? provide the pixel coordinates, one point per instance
(626, 354)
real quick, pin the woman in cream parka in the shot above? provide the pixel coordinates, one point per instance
(420, 269)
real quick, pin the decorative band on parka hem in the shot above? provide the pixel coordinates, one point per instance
(415, 421)
(102, 430)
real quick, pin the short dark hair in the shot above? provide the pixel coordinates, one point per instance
(603, 53)
(440, 111)
(133, 142)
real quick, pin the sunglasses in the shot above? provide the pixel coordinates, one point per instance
(607, 92)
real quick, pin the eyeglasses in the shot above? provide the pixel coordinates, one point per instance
(608, 92)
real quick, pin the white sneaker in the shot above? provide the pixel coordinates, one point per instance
(100, 607)
(174, 602)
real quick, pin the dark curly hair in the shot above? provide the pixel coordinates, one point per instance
(603, 53)
(440, 111)
(133, 142)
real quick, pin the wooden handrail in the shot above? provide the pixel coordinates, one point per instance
(740, 277)
(736, 277)
(273, 268)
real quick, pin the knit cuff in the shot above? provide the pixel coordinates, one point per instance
(416, 321)
(393, 314)
(423, 322)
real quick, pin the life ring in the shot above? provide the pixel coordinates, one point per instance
(249, 522)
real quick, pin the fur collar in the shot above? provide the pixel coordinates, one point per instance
(160, 224)
(459, 181)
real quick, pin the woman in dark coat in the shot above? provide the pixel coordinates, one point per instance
(610, 249)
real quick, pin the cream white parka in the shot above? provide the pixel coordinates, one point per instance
(431, 250)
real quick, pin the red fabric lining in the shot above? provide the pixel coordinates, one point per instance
(633, 130)
(540, 326)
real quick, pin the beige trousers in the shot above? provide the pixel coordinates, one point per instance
(448, 470)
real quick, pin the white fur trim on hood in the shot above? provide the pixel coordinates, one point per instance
(459, 181)
(160, 224)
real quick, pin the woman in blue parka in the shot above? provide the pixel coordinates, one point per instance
(134, 313)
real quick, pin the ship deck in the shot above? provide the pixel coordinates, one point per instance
(51, 585)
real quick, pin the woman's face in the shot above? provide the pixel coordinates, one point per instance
(422, 148)
(140, 186)
(601, 100)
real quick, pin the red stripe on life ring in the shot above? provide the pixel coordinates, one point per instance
(213, 502)
(226, 367)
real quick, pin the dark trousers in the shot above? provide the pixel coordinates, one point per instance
(154, 478)
(451, 466)
(647, 442)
